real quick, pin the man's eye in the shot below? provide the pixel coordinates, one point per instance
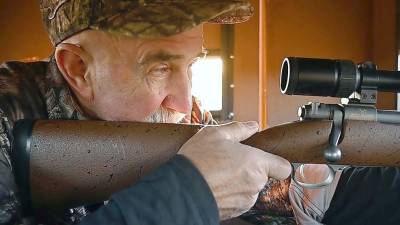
(160, 70)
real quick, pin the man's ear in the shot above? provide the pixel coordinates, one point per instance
(72, 61)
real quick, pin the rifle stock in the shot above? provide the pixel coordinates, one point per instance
(70, 163)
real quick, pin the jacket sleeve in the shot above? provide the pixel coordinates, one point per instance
(366, 195)
(174, 194)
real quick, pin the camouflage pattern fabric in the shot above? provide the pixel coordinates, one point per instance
(273, 205)
(138, 18)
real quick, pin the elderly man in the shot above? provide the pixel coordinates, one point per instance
(130, 61)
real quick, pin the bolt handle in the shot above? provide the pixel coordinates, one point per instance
(333, 153)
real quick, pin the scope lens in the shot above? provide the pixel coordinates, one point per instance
(285, 73)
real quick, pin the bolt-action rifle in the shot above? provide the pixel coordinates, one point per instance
(60, 164)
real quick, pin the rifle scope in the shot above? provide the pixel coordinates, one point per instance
(335, 78)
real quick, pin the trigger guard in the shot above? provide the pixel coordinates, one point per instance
(329, 179)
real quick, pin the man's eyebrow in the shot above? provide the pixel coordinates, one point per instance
(162, 56)
(157, 57)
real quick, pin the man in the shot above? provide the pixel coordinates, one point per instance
(130, 61)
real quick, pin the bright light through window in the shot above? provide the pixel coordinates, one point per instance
(207, 82)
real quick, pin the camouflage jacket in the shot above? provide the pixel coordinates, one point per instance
(37, 90)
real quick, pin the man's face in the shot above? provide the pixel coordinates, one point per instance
(143, 79)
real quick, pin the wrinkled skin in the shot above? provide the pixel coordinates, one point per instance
(130, 79)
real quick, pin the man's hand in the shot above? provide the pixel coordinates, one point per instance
(235, 172)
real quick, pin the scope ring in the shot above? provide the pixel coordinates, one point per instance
(329, 179)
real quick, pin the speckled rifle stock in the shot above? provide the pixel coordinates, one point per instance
(79, 162)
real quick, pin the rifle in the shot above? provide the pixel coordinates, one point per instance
(61, 164)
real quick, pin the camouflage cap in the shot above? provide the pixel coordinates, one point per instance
(138, 18)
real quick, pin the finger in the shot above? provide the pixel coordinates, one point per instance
(276, 166)
(239, 131)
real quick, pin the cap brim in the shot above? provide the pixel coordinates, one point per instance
(166, 18)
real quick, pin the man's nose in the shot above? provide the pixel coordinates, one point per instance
(179, 97)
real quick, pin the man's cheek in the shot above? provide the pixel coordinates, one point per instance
(147, 100)
(152, 104)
